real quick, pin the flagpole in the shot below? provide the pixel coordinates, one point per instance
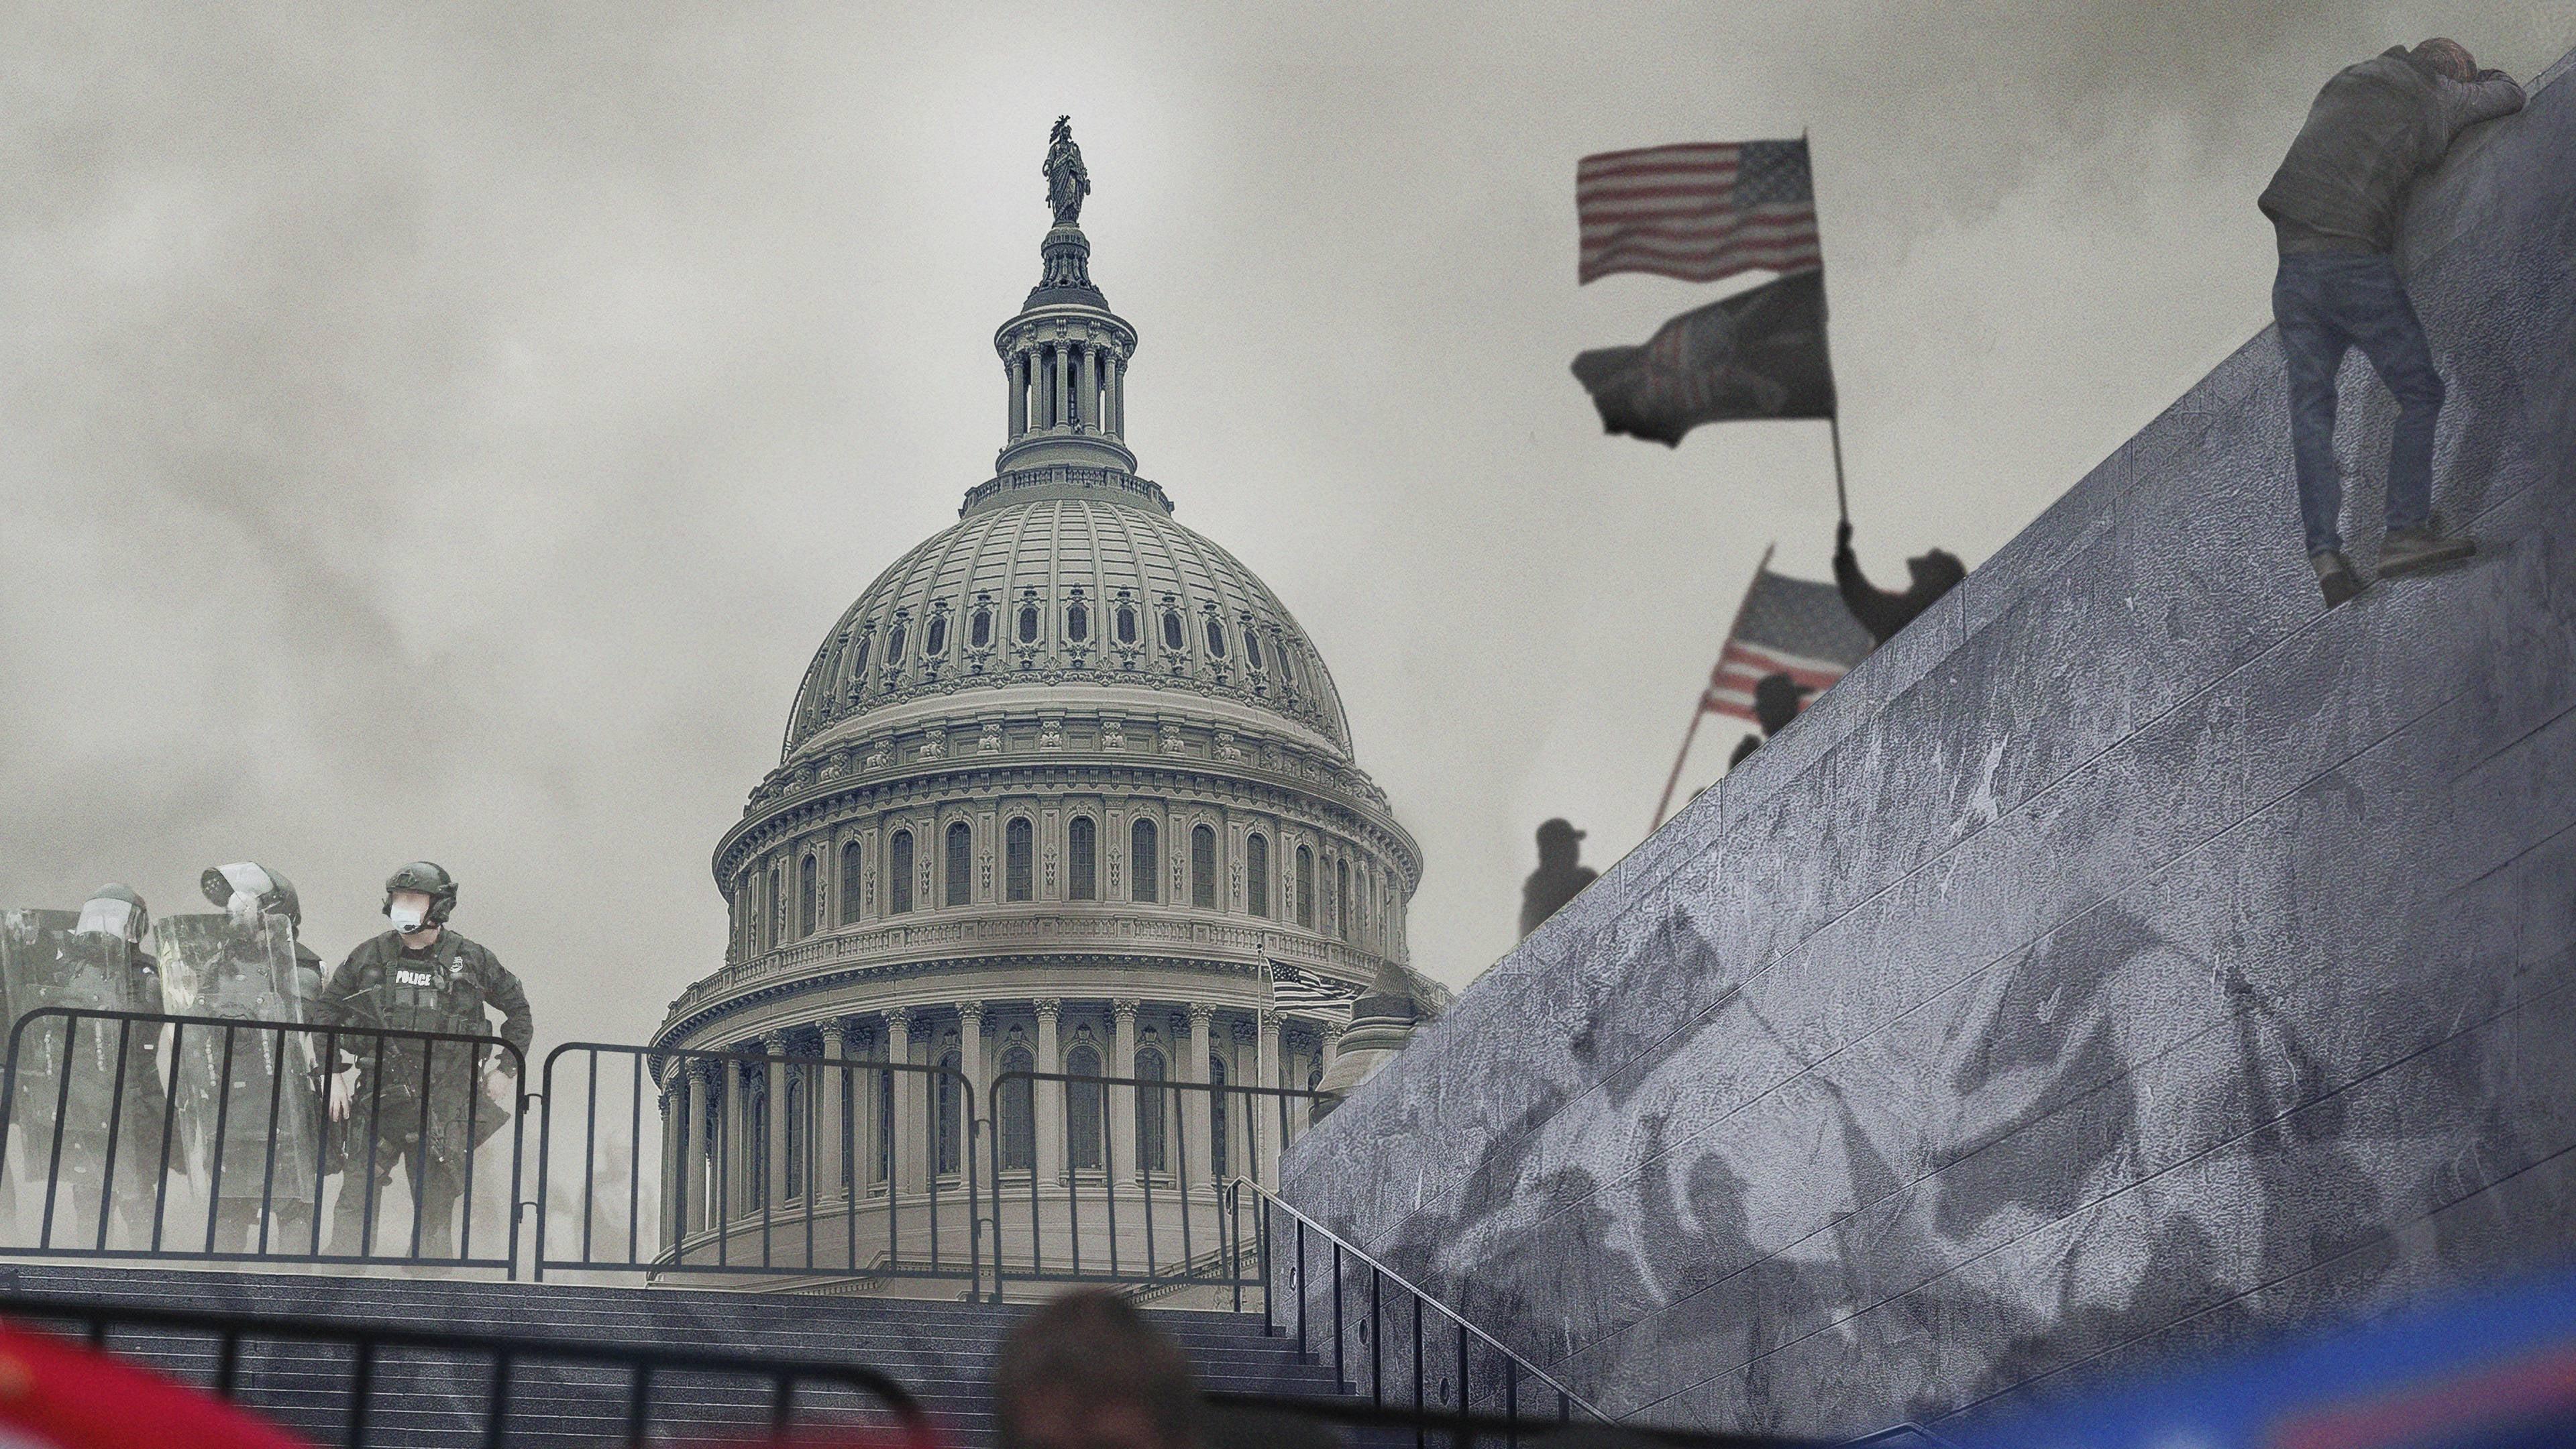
(1701, 706)
(1834, 419)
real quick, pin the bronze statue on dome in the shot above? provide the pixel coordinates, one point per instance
(1067, 181)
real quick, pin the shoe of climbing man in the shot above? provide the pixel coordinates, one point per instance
(2335, 577)
(2412, 550)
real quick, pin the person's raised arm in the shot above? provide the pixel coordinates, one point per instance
(2491, 95)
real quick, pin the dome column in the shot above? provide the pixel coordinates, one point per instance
(1195, 1116)
(1059, 387)
(1121, 1125)
(829, 1174)
(1113, 397)
(867, 1109)
(774, 1092)
(693, 1180)
(1272, 1114)
(910, 1151)
(1049, 1095)
(1086, 413)
(970, 1064)
(669, 1208)
(736, 1145)
(1018, 370)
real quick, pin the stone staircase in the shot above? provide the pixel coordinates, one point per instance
(940, 1351)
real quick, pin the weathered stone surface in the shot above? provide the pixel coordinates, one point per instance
(2127, 955)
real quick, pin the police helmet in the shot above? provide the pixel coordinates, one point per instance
(274, 892)
(115, 910)
(430, 880)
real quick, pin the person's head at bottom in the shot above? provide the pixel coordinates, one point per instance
(1086, 1371)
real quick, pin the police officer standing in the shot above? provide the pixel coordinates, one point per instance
(419, 976)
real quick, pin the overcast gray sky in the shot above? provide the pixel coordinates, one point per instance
(449, 430)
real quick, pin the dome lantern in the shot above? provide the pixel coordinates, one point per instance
(1064, 357)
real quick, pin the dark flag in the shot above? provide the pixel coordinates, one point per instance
(1757, 354)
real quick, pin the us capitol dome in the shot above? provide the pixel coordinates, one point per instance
(1066, 789)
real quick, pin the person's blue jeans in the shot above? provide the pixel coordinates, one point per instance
(2328, 303)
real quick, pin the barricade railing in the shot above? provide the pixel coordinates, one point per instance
(794, 1167)
(341, 1382)
(147, 1134)
(1127, 1181)
(1380, 1331)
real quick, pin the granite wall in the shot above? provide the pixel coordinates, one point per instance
(2128, 954)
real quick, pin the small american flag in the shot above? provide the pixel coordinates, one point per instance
(1788, 626)
(1293, 989)
(1697, 212)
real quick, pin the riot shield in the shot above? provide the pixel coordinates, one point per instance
(65, 1097)
(248, 1122)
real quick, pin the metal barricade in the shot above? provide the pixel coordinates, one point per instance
(153, 1135)
(346, 1383)
(1128, 1181)
(795, 1168)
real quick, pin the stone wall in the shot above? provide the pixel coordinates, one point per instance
(2128, 954)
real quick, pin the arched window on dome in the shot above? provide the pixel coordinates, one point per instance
(949, 1126)
(1144, 861)
(1172, 638)
(961, 864)
(934, 642)
(1203, 867)
(1152, 1104)
(1085, 1109)
(809, 893)
(1342, 899)
(792, 1091)
(1028, 623)
(854, 883)
(894, 646)
(859, 667)
(1019, 859)
(1077, 622)
(1386, 901)
(1305, 887)
(1218, 1119)
(1014, 1113)
(899, 873)
(1082, 859)
(1256, 873)
(753, 1083)
(1252, 647)
(979, 629)
(1215, 638)
(1126, 624)
(782, 920)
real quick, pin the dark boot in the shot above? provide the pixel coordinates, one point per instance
(2335, 577)
(2412, 550)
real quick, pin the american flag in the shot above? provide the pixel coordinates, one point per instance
(1294, 989)
(1697, 212)
(1787, 626)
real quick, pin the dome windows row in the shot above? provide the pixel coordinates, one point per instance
(830, 886)
(907, 644)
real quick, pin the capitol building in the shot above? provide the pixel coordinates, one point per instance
(1067, 790)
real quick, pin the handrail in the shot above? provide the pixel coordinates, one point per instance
(1415, 1289)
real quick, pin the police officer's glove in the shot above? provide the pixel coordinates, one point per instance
(344, 1090)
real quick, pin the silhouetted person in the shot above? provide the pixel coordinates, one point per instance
(1559, 877)
(1882, 613)
(2334, 206)
(1775, 705)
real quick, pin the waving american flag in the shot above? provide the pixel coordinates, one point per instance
(1697, 212)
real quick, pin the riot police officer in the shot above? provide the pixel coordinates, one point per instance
(127, 978)
(407, 1100)
(270, 1108)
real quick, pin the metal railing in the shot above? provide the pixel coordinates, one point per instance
(792, 1167)
(128, 1123)
(1067, 1151)
(1435, 1352)
(337, 1381)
